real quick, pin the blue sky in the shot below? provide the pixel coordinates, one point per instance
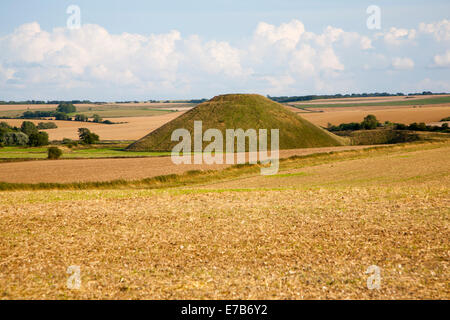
(191, 49)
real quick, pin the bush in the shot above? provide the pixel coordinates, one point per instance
(5, 125)
(37, 114)
(70, 143)
(108, 122)
(97, 118)
(46, 125)
(66, 108)
(87, 137)
(81, 117)
(28, 128)
(54, 153)
(61, 116)
(446, 119)
(14, 139)
(38, 139)
(370, 122)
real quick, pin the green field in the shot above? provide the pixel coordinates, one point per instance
(107, 110)
(406, 102)
(17, 153)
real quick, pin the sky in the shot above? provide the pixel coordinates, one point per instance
(119, 50)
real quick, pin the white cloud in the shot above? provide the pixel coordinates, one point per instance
(402, 63)
(280, 58)
(287, 35)
(397, 36)
(440, 30)
(214, 57)
(442, 60)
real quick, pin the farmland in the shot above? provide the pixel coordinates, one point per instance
(141, 227)
(309, 232)
(138, 119)
(134, 166)
(406, 115)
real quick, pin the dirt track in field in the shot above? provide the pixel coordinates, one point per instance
(64, 171)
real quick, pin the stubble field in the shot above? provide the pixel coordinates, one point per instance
(309, 232)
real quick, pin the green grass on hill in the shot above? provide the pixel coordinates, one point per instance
(242, 111)
(406, 102)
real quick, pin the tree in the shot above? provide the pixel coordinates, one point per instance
(81, 117)
(61, 116)
(97, 118)
(15, 139)
(46, 125)
(66, 107)
(370, 122)
(38, 139)
(87, 137)
(28, 128)
(54, 153)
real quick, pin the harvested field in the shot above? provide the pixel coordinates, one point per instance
(134, 128)
(64, 171)
(368, 99)
(309, 236)
(404, 115)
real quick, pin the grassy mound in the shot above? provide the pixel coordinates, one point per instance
(242, 111)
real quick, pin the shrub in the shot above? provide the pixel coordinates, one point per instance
(37, 114)
(54, 153)
(46, 125)
(370, 122)
(38, 139)
(28, 128)
(5, 125)
(108, 122)
(61, 116)
(15, 139)
(87, 137)
(66, 108)
(81, 117)
(97, 118)
(446, 119)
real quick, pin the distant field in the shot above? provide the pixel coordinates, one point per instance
(393, 102)
(134, 127)
(368, 99)
(146, 117)
(309, 233)
(404, 115)
(110, 110)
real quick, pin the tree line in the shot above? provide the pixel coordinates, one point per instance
(27, 135)
(285, 99)
(63, 112)
(370, 122)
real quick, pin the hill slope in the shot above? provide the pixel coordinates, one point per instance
(245, 111)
